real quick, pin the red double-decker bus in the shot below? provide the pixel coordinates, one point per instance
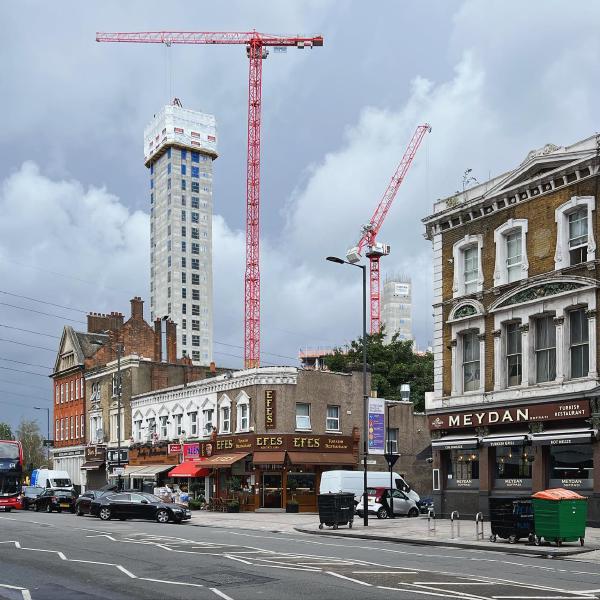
(11, 474)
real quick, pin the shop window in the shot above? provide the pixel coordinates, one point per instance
(513, 354)
(579, 343)
(463, 465)
(470, 361)
(573, 462)
(302, 416)
(513, 462)
(545, 349)
(333, 418)
(300, 484)
(392, 441)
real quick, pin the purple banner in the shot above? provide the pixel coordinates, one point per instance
(376, 426)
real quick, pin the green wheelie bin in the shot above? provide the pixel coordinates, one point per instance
(559, 516)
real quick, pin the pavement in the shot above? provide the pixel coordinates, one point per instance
(419, 531)
(258, 556)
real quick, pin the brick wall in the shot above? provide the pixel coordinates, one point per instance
(68, 403)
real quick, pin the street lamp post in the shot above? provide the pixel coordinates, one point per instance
(48, 426)
(340, 261)
(119, 480)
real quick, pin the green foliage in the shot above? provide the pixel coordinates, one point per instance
(28, 433)
(6, 432)
(195, 504)
(391, 364)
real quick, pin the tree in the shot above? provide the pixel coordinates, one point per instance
(391, 364)
(6, 432)
(28, 433)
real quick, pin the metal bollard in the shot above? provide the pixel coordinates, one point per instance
(430, 521)
(454, 515)
(479, 529)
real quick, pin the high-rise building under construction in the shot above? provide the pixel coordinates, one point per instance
(396, 307)
(179, 148)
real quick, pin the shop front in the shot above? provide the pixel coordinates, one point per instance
(94, 467)
(272, 472)
(147, 467)
(514, 451)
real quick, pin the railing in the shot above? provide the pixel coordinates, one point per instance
(478, 527)
(431, 521)
(454, 516)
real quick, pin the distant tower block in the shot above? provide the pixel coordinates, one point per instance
(396, 307)
(179, 148)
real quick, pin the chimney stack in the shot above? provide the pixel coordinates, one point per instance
(137, 309)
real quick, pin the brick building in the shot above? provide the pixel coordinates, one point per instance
(69, 400)
(515, 407)
(267, 427)
(148, 362)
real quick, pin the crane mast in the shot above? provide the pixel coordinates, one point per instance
(368, 239)
(256, 48)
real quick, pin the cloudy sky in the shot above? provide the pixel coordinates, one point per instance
(494, 79)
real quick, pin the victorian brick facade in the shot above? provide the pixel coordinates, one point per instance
(516, 277)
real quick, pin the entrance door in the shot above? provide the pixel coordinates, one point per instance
(271, 490)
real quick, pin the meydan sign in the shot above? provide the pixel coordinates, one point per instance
(553, 411)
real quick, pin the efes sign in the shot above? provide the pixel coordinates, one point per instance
(552, 411)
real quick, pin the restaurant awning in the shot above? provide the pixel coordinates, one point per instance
(560, 437)
(145, 470)
(222, 461)
(92, 465)
(321, 458)
(191, 468)
(513, 439)
(268, 458)
(451, 442)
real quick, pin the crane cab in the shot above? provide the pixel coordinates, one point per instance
(353, 255)
(377, 250)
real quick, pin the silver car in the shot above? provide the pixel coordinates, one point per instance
(378, 503)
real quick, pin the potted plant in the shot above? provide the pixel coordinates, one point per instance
(292, 505)
(233, 506)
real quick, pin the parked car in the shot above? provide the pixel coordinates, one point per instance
(138, 505)
(84, 502)
(352, 481)
(425, 505)
(28, 494)
(57, 500)
(378, 503)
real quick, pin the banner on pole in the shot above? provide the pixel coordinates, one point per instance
(376, 426)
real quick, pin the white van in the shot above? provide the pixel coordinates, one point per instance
(353, 481)
(50, 479)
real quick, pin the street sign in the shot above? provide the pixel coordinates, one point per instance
(48, 443)
(391, 459)
(371, 462)
(118, 470)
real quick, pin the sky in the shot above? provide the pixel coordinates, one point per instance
(495, 79)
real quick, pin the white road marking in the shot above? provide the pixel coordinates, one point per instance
(246, 562)
(290, 568)
(349, 579)
(220, 593)
(412, 591)
(385, 572)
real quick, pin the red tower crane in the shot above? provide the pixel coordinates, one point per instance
(256, 49)
(376, 250)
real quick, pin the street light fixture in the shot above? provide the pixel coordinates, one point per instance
(340, 261)
(48, 424)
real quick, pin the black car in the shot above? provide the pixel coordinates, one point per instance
(28, 494)
(57, 500)
(83, 503)
(137, 505)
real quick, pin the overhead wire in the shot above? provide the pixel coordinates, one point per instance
(41, 301)
(23, 371)
(56, 337)
(39, 312)
(28, 385)
(25, 363)
(28, 345)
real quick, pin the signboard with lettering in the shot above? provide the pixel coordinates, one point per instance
(95, 453)
(376, 426)
(175, 448)
(191, 451)
(514, 483)
(112, 456)
(270, 409)
(553, 411)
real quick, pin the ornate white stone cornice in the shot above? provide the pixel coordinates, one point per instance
(223, 383)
